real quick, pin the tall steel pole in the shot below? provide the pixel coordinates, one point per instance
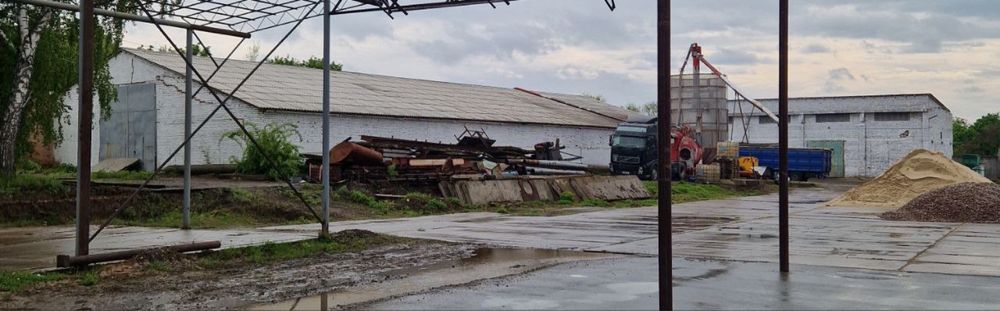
(326, 119)
(84, 126)
(663, 155)
(783, 134)
(187, 131)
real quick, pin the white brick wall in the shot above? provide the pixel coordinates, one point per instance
(870, 146)
(591, 143)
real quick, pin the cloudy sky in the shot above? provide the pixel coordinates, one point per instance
(948, 48)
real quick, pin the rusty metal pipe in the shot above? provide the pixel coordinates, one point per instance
(64, 261)
(348, 151)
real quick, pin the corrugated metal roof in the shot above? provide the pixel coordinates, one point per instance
(848, 104)
(586, 103)
(281, 87)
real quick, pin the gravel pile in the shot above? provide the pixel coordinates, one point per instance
(963, 202)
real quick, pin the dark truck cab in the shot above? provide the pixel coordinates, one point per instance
(633, 147)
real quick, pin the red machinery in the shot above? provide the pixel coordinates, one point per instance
(685, 152)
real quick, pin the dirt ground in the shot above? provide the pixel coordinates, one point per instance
(123, 286)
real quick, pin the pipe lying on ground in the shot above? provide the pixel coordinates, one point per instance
(548, 171)
(64, 261)
(550, 164)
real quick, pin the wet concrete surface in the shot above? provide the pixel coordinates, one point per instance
(725, 251)
(486, 263)
(741, 229)
(37, 247)
(631, 284)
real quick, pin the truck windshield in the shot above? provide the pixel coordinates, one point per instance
(628, 141)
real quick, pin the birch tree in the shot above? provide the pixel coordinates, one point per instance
(38, 67)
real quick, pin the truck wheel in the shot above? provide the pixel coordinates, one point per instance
(796, 176)
(677, 171)
(654, 174)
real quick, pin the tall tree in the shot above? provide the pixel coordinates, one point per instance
(38, 63)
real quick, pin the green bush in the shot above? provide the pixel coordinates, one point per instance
(19, 184)
(274, 141)
(567, 197)
(435, 205)
(362, 198)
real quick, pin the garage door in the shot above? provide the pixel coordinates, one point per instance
(130, 131)
(837, 169)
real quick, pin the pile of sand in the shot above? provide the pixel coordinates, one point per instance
(915, 174)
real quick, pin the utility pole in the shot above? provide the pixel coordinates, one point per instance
(325, 231)
(84, 126)
(783, 134)
(187, 131)
(663, 125)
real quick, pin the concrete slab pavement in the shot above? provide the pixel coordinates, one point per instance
(631, 284)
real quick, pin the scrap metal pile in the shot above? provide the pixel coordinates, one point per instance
(473, 157)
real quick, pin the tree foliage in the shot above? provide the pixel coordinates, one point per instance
(981, 137)
(52, 67)
(648, 109)
(312, 62)
(275, 143)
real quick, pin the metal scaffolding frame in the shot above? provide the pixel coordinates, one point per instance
(241, 18)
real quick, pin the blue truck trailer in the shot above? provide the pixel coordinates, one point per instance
(803, 163)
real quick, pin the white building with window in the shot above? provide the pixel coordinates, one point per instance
(867, 133)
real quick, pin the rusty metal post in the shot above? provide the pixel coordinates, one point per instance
(186, 222)
(84, 126)
(783, 134)
(663, 124)
(325, 172)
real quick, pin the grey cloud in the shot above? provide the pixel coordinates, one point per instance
(815, 48)
(727, 56)
(834, 77)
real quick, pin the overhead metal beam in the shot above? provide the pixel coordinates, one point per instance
(137, 18)
(421, 6)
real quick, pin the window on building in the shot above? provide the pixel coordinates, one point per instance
(892, 116)
(768, 120)
(833, 117)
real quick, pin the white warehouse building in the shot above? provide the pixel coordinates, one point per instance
(147, 120)
(867, 133)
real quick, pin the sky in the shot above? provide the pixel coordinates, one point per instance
(836, 47)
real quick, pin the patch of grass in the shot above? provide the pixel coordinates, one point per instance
(242, 195)
(122, 175)
(276, 252)
(208, 220)
(158, 266)
(16, 281)
(89, 278)
(24, 183)
(595, 203)
(687, 192)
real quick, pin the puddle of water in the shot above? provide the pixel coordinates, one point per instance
(485, 263)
